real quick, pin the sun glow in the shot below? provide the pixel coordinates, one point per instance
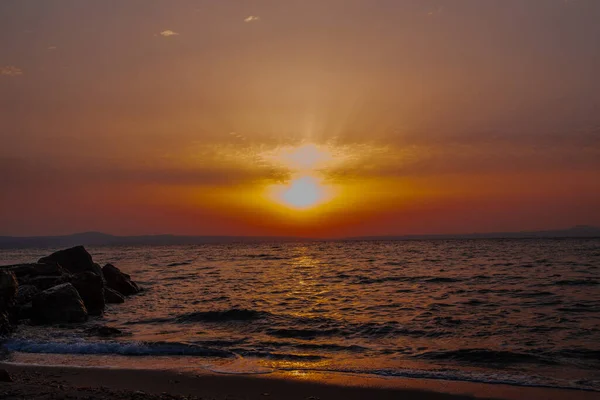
(301, 193)
(306, 188)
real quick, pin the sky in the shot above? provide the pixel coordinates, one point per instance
(321, 118)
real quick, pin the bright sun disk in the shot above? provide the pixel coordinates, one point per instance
(306, 189)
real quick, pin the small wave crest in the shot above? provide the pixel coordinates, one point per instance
(234, 314)
(577, 282)
(115, 348)
(483, 356)
(302, 333)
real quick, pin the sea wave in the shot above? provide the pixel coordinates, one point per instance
(484, 356)
(233, 314)
(115, 348)
(577, 282)
(463, 376)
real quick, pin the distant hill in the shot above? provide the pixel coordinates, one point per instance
(103, 239)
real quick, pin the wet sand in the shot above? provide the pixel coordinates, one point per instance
(40, 382)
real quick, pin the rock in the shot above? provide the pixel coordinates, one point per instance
(24, 311)
(119, 281)
(112, 296)
(104, 331)
(5, 376)
(75, 260)
(45, 282)
(36, 269)
(6, 326)
(8, 293)
(91, 289)
(26, 293)
(8, 289)
(98, 270)
(60, 303)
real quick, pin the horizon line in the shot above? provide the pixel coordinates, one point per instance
(387, 235)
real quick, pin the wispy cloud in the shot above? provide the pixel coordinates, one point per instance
(10, 70)
(252, 18)
(436, 11)
(168, 33)
(52, 48)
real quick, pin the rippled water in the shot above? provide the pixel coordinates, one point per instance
(515, 311)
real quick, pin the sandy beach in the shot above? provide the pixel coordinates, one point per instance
(42, 382)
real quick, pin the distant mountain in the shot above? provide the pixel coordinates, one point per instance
(103, 239)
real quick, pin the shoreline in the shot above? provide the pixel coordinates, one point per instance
(35, 381)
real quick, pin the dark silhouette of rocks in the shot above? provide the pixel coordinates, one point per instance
(25, 294)
(36, 269)
(60, 303)
(91, 289)
(63, 287)
(8, 292)
(24, 311)
(45, 282)
(119, 281)
(75, 260)
(5, 376)
(113, 297)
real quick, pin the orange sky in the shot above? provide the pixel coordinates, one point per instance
(312, 118)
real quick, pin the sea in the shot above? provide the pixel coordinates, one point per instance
(518, 312)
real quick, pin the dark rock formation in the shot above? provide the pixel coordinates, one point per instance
(8, 292)
(36, 269)
(24, 311)
(113, 297)
(119, 281)
(8, 288)
(63, 287)
(45, 282)
(26, 293)
(75, 260)
(5, 376)
(60, 303)
(91, 289)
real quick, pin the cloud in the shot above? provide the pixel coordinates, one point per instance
(168, 33)
(51, 48)
(436, 11)
(10, 70)
(251, 18)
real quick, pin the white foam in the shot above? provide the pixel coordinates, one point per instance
(117, 348)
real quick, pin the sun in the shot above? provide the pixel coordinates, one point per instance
(306, 188)
(301, 193)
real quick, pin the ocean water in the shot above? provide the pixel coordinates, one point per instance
(521, 312)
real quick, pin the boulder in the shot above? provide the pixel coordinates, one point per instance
(60, 303)
(98, 270)
(36, 269)
(113, 297)
(8, 293)
(75, 260)
(8, 289)
(24, 311)
(119, 281)
(91, 289)
(45, 282)
(26, 293)
(5, 324)
(5, 376)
